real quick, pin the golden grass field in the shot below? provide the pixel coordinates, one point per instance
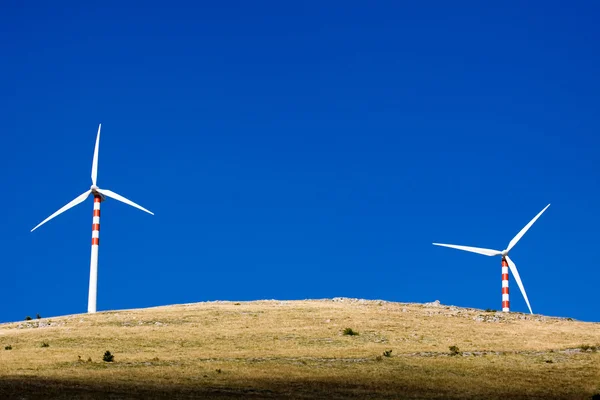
(297, 349)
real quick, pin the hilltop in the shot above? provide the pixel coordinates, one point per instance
(298, 349)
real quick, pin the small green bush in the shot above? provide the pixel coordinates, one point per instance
(350, 332)
(9, 347)
(45, 344)
(454, 350)
(387, 353)
(585, 347)
(108, 357)
(38, 316)
(28, 318)
(490, 310)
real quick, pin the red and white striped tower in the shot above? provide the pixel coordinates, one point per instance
(505, 300)
(94, 257)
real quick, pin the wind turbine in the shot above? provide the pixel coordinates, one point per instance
(99, 196)
(506, 262)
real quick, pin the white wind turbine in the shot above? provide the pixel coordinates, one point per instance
(99, 196)
(506, 262)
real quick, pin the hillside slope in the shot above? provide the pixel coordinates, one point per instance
(297, 349)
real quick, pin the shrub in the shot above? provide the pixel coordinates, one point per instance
(89, 359)
(45, 344)
(585, 347)
(38, 316)
(108, 357)
(218, 370)
(387, 353)
(454, 350)
(28, 318)
(489, 310)
(9, 347)
(350, 332)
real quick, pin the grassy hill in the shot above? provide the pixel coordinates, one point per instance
(298, 349)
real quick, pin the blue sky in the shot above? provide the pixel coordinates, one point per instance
(294, 151)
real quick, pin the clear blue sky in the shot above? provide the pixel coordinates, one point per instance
(303, 150)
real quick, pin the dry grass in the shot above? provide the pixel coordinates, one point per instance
(296, 349)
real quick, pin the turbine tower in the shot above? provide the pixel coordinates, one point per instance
(506, 262)
(99, 196)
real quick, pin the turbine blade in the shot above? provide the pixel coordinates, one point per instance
(123, 199)
(478, 250)
(95, 162)
(513, 270)
(73, 203)
(525, 229)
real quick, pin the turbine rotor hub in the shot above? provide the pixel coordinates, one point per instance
(95, 192)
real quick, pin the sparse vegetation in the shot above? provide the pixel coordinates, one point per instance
(108, 357)
(454, 351)
(490, 310)
(38, 316)
(585, 347)
(45, 344)
(350, 332)
(387, 353)
(309, 359)
(28, 318)
(9, 347)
